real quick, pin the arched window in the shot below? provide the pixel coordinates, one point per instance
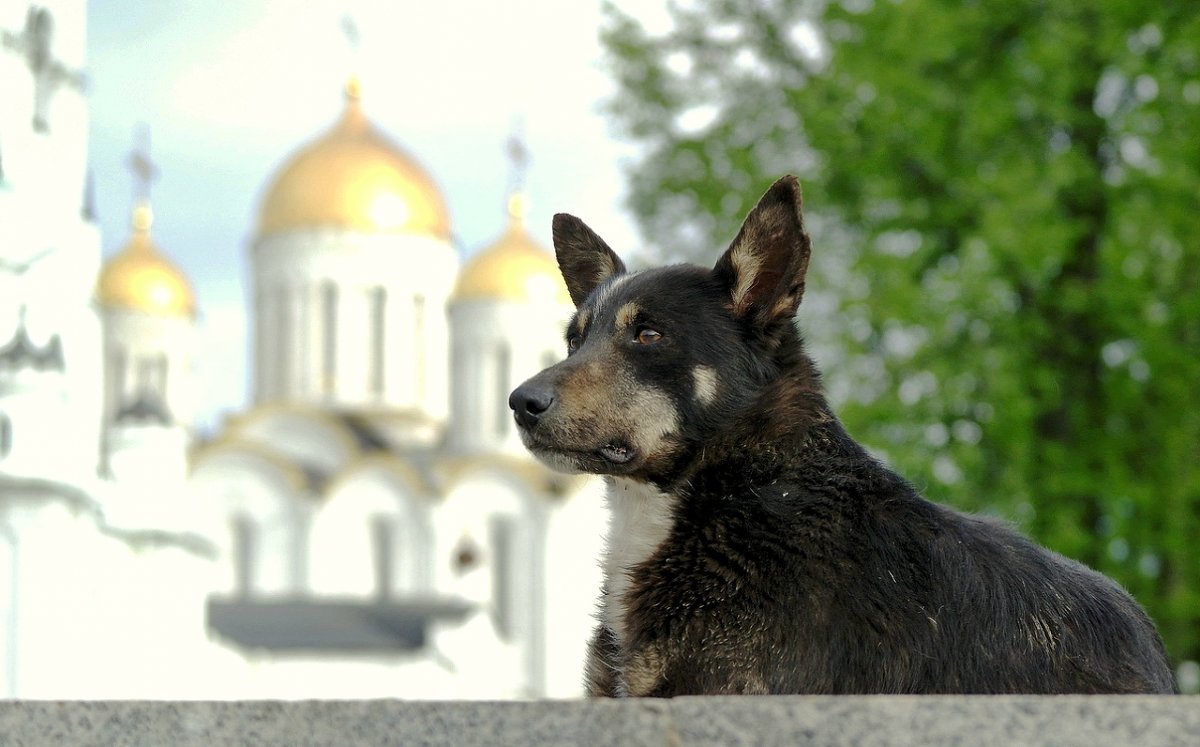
(329, 297)
(161, 365)
(262, 344)
(503, 385)
(118, 386)
(503, 567)
(245, 539)
(269, 341)
(378, 304)
(147, 375)
(383, 545)
(6, 435)
(287, 344)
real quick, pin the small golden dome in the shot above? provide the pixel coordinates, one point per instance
(141, 278)
(354, 177)
(515, 268)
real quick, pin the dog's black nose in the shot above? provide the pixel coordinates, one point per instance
(528, 402)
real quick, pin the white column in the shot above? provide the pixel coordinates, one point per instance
(312, 385)
(437, 361)
(421, 350)
(398, 343)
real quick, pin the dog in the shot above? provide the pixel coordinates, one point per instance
(754, 547)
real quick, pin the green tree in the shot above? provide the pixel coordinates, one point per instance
(1006, 194)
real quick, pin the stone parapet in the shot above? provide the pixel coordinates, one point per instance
(827, 721)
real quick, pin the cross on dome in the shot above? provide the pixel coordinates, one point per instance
(145, 173)
(353, 38)
(144, 170)
(139, 277)
(518, 156)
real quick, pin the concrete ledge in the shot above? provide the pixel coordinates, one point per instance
(863, 721)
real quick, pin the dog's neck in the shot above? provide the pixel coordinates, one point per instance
(786, 425)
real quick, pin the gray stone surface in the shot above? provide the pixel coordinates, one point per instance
(305, 723)
(871, 721)
(937, 721)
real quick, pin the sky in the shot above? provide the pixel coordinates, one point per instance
(230, 89)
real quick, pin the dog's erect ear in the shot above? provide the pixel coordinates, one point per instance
(764, 267)
(583, 257)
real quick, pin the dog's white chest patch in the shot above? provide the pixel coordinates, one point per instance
(640, 520)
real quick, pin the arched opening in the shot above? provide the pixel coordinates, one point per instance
(370, 538)
(329, 299)
(6, 435)
(377, 300)
(245, 550)
(493, 516)
(500, 409)
(383, 550)
(504, 567)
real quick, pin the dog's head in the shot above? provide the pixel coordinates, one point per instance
(660, 360)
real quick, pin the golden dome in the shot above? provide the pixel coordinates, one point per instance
(354, 177)
(142, 278)
(514, 268)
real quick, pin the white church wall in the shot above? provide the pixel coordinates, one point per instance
(574, 545)
(98, 616)
(53, 414)
(51, 256)
(82, 356)
(148, 459)
(260, 518)
(418, 676)
(58, 290)
(8, 611)
(372, 536)
(41, 443)
(491, 547)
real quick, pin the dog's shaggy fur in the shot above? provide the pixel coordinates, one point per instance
(754, 546)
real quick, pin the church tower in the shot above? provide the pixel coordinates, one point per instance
(148, 312)
(49, 247)
(351, 269)
(506, 319)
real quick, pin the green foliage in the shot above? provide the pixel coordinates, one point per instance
(1005, 196)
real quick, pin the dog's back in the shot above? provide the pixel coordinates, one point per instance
(755, 547)
(835, 592)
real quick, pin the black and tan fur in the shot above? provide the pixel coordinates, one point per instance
(754, 546)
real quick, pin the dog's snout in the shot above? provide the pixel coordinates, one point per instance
(528, 402)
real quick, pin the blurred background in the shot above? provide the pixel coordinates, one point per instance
(268, 271)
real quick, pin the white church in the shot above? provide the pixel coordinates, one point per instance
(369, 527)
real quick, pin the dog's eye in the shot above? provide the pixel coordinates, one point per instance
(647, 336)
(573, 343)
